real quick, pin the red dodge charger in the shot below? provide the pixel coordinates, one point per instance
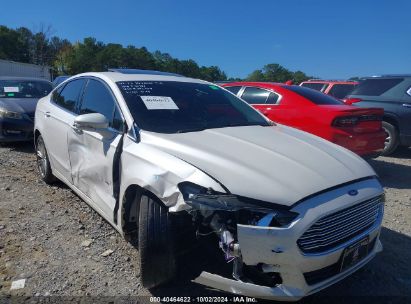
(357, 129)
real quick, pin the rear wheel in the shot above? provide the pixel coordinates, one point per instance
(392, 141)
(43, 163)
(155, 243)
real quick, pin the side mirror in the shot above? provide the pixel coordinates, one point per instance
(92, 122)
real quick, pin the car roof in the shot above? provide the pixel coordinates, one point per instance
(251, 83)
(139, 71)
(331, 81)
(23, 78)
(116, 77)
(388, 76)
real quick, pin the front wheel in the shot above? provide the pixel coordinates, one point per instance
(155, 243)
(43, 163)
(392, 140)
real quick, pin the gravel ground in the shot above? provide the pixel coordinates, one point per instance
(51, 238)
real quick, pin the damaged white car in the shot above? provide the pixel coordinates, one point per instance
(293, 213)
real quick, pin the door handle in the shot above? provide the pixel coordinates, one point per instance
(47, 114)
(407, 105)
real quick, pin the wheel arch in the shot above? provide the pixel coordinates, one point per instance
(36, 135)
(130, 207)
(391, 119)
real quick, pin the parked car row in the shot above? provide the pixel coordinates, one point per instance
(164, 158)
(359, 130)
(336, 88)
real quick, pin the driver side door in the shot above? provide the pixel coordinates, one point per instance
(92, 152)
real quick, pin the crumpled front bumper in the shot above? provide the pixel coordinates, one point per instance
(278, 248)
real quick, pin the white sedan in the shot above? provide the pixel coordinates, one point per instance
(293, 213)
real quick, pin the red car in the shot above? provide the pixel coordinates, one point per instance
(338, 89)
(357, 129)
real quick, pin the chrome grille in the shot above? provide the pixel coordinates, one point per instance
(337, 228)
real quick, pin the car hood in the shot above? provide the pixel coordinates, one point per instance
(276, 164)
(20, 105)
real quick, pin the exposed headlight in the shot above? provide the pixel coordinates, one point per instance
(4, 113)
(250, 211)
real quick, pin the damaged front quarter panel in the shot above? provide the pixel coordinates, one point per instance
(159, 173)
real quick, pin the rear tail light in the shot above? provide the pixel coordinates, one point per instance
(345, 122)
(351, 121)
(350, 101)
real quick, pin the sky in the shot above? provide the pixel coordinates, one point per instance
(323, 38)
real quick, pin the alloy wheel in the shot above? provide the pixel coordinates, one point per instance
(41, 157)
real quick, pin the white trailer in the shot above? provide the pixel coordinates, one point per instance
(20, 69)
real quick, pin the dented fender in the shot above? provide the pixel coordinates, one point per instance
(160, 173)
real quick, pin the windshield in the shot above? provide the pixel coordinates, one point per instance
(24, 88)
(177, 107)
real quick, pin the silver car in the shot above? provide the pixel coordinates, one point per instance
(293, 213)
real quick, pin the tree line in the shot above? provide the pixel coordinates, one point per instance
(67, 58)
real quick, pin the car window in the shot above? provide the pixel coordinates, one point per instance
(255, 95)
(315, 86)
(21, 88)
(233, 90)
(273, 98)
(98, 99)
(376, 87)
(177, 107)
(314, 96)
(341, 90)
(67, 96)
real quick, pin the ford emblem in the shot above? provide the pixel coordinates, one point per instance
(353, 192)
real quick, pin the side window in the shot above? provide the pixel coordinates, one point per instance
(273, 98)
(67, 96)
(233, 90)
(98, 99)
(255, 95)
(341, 90)
(315, 86)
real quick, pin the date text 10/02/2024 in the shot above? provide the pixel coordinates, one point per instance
(234, 299)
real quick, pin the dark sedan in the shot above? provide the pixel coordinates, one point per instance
(18, 100)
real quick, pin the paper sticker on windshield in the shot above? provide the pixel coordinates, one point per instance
(159, 103)
(11, 89)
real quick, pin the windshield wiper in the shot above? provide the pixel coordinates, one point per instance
(191, 130)
(247, 124)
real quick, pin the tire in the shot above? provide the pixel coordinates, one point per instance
(392, 141)
(155, 243)
(43, 163)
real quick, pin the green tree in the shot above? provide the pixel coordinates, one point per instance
(257, 75)
(299, 77)
(275, 72)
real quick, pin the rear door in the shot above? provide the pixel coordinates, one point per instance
(92, 153)
(59, 118)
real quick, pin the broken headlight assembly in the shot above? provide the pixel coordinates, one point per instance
(247, 211)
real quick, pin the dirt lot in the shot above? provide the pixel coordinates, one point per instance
(51, 238)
